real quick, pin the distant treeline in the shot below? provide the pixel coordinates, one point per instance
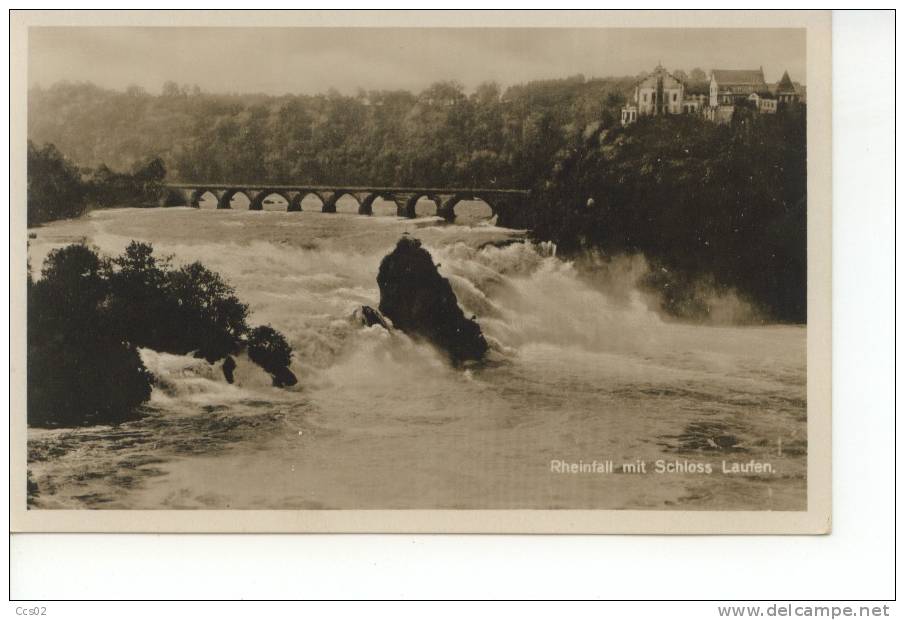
(57, 188)
(442, 136)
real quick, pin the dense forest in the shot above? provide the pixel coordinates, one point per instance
(441, 136)
(721, 204)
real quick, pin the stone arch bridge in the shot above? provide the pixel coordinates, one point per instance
(509, 205)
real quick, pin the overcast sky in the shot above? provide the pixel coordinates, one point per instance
(313, 60)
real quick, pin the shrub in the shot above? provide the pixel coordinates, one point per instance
(73, 382)
(79, 371)
(268, 349)
(208, 317)
(87, 315)
(176, 311)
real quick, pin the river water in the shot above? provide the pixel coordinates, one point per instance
(580, 370)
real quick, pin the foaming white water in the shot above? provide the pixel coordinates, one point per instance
(528, 295)
(188, 379)
(579, 369)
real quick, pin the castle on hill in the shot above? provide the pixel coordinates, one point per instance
(661, 93)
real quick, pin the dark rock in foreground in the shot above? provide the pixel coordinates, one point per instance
(369, 317)
(283, 377)
(421, 302)
(280, 376)
(229, 369)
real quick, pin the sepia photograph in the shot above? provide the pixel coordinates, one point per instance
(307, 271)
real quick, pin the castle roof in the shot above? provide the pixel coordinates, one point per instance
(739, 77)
(785, 84)
(658, 69)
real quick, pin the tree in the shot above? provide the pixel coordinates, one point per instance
(697, 75)
(208, 319)
(147, 178)
(170, 89)
(742, 227)
(379, 137)
(139, 307)
(79, 371)
(151, 170)
(54, 186)
(268, 349)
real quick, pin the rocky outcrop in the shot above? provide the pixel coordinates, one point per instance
(229, 369)
(369, 317)
(421, 302)
(283, 377)
(280, 375)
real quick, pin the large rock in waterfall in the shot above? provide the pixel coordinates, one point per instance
(421, 302)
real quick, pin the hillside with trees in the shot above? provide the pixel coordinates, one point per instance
(440, 136)
(725, 204)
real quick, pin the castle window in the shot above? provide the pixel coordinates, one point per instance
(674, 96)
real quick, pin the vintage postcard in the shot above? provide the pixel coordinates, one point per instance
(556, 272)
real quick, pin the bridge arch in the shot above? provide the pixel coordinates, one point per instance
(198, 195)
(411, 205)
(205, 199)
(476, 213)
(296, 203)
(367, 203)
(257, 204)
(225, 201)
(336, 196)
